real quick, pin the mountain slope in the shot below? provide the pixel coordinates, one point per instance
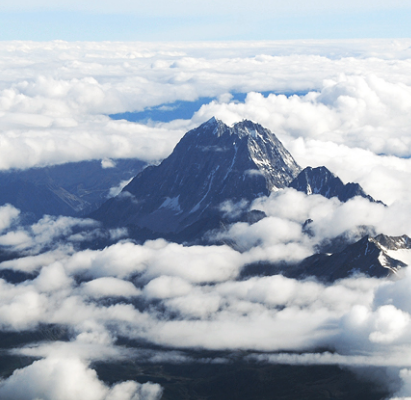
(71, 189)
(322, 181)
(367, 256)
(211, 164)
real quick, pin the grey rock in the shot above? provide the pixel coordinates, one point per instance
(322, 181)
(367, 256)
(211, 164)
(393, 242)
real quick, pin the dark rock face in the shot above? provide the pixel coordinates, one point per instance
(339, 243)
(211, 164)
(321, 181)
(367, 256)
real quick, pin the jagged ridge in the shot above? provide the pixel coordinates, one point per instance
(211, 164)
(367, 256)
(322, 181)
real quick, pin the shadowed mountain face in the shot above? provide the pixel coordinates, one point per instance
(322, 181)
(211, 164)
(71, 189)
(367, 256)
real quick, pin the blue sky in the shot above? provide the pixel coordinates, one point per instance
(182, 20)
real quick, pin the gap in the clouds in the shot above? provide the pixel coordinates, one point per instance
(9, 363)
(242, 379)
(165, 112)
(11, 340)
(182, 109)
(42, 333)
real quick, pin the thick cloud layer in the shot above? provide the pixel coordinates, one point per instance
(70, 379)
(192, 297)
(54, 97)
(199, 285)
(356, 125)
(353, 117)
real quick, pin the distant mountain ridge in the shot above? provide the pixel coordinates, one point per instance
(71, 189)
(367, 256)
(322, 181)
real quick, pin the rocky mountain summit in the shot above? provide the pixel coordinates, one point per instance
(211, 164)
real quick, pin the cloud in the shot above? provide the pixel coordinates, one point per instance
(358, 111)
(107, 163)
(157, 258)
(165, 287)
(54, 109)
(34, 263)
(109, 287)
(114, 191)
(49, 230)
(211, 310)
(354, 118)
(233, 210)
(405, 391)
(330, 217)
(8, 214)
(93, 139)
(381, 176)
(70, 379)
